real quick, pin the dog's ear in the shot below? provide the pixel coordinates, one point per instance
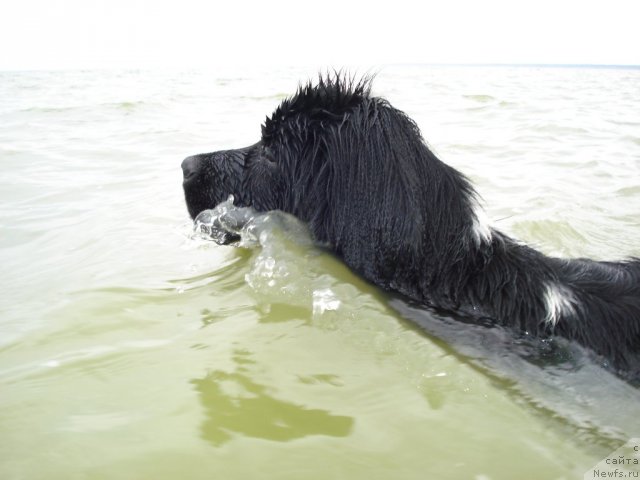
(389, 201)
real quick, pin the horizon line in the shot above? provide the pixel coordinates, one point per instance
(620, 66)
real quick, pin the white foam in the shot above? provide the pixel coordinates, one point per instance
(324, 300)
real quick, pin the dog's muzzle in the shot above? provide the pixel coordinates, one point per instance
(190, 167)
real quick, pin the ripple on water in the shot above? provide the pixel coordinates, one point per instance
(480, 98)
(212, 355)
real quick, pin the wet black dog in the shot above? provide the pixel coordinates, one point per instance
(357, 171)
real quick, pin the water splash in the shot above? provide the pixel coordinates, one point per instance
(281, 268)
(224, 223)
(323, 300)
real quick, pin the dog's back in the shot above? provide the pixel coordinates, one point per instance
(602, 308)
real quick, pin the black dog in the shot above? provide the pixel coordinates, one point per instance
(357, 171)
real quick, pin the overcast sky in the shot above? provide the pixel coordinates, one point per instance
(45, 34)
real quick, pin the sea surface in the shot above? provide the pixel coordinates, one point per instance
(131, 350)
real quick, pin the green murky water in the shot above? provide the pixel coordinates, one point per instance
(129, 350)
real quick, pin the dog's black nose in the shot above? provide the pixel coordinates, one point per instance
(190, 167)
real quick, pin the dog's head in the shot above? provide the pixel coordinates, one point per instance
(290, 161)
(351, 166)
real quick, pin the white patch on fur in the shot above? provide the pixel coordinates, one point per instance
(481, 228)
(559, 301)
